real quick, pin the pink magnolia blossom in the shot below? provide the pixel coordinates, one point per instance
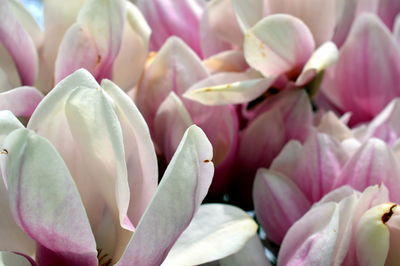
(83, 176)
(328, 20)
(105, 47)
(174, 18)
(104, 37)
(384, 126)
(279, 47)
(169, 74)
(307, 172)
(279, 119)
(366, 76)
(200, 24)
(345, 228)
(19, 60)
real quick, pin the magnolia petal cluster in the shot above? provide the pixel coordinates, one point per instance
(119, 118)
(87, 197)
(355, 229)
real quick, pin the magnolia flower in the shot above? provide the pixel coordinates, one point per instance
(366, 76)
(174, 18)
(352, 228)
(282, 65)
(279, 119)
(19, 59)
(200, 24)
(307, 172)
(327, 20)
(384, 126)
(92, 185)
(75, 35)
(159, 97)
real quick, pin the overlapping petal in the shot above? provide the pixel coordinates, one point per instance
(61, 230)
(19, 44)
(93, 40)
(183, 186)
(21, 101)
(278, 44)
(215, 232)
(366, 75)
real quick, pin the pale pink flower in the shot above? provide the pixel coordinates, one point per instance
(91, 183)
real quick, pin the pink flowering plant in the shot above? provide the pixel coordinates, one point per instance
(199, 132)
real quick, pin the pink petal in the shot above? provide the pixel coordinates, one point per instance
(21, 101)
(331, 125)
(319, 166)
(218, 17)
(57, 19)
(325, 235)
(171, 121)
(366, 76)
(183, 187)
(11, 236)
(278, 44)
(263, 139)
(319, 16)
(174, 69)
(295, 108)
(346, 12)
(309, 242)
(221, 126)
(82, 108)
(367, 6)
(139, 152)
(396, 29)
(130, 61)
(248, 13)
(297, 115)
(19, 44)
(28, 22)
(173, 18)
(387, 11)
(93, 40)
(372, 196)
(259, 143)
(227, 61)
(385, 125)
(54, 217)
(286, 162)
(374, 163)
(65, 117)
(211, 40)
(278, 202)
(78, 42)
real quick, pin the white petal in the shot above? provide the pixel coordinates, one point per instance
(215, 232)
